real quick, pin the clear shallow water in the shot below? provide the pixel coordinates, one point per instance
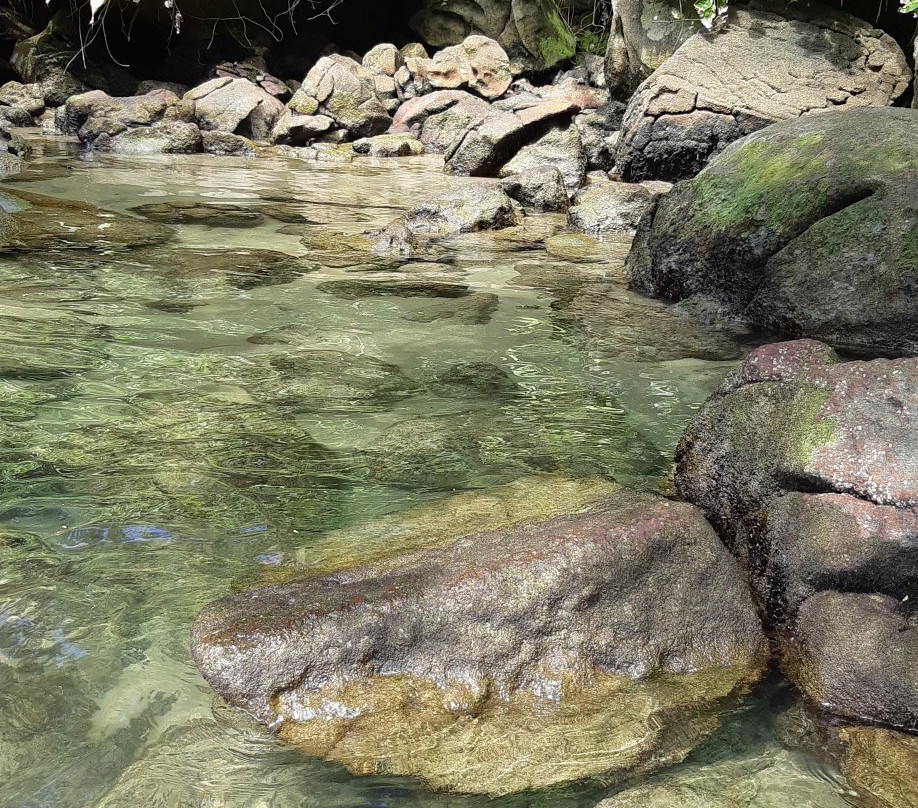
(174, 418)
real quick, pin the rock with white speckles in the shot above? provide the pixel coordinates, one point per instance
(795, 418)
(807, 466)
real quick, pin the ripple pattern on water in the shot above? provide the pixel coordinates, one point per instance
(177, 417)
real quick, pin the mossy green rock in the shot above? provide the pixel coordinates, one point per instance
(795, 418)
(808, 227)
(530, 30)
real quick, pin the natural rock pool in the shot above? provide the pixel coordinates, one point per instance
(181, 416)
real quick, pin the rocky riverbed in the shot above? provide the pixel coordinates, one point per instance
(508, 423)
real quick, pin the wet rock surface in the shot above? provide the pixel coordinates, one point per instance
(540, 188)
(494, 653)
(808, 468)
(209, 215)
(389, 145)
(469, 209)
(604, 208)
(806, 227)
(12, 150)
(856, 655)
(763, 68)
(879, 764)
(33, 222)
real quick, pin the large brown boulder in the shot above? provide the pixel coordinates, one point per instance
(502, 139)
(808, 468)
(618, 628)
(765, 67)
(806, 227)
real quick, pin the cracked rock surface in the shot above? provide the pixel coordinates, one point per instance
(763, 68)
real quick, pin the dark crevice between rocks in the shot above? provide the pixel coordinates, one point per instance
(808, 484)
(142, 38)
(835, 206)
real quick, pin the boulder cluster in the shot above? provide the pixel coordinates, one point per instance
(600, 636)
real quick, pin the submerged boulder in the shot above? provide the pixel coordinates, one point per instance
(881, 764)
(806, 227)
(770, 778)
(33, 222)
(469, 209)
(504, 661)
(779, 62)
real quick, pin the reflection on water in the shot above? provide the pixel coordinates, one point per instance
(173, 418)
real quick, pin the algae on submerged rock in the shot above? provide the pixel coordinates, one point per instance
(881, 765)
(32, 222)
(506, 661)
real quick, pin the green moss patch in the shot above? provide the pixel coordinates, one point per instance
(765, 184)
